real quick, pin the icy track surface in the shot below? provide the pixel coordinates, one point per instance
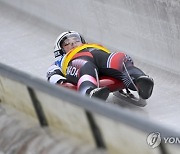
(27, 45)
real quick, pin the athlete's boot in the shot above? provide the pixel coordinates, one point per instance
(145, 86)
(101, 93)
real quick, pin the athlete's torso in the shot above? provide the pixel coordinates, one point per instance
(63, 63)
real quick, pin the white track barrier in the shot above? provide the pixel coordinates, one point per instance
(95, 123)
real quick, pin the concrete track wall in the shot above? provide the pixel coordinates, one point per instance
(147, 29)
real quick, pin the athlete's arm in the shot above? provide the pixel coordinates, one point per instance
(54, 75)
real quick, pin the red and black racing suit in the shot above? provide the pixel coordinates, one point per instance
(85, 64)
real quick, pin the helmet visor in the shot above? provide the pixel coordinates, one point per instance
(70, 38)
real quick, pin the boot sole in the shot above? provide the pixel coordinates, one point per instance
(145, 86)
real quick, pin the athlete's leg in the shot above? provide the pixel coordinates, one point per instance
(114, 65)
(132, 77)
(121, 66)
(82, 73)
(86, 78)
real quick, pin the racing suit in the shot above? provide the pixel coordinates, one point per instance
(83, 64)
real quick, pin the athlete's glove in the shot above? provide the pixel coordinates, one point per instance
(57, 79)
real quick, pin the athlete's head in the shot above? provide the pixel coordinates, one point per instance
(67, 41)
